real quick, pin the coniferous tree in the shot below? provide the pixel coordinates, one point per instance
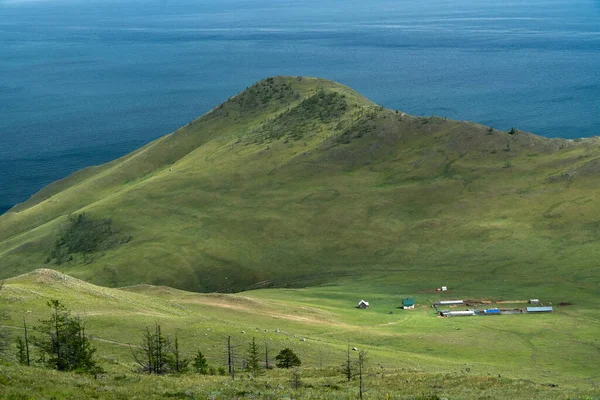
(23, 346)
(253, 358)
(152, 354)
(177, 363)
(161, 344)
(200, 364)
(21, 352)
(64, 345)
(347, 368)
(145, 354)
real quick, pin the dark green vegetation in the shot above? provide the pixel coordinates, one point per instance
(84, 235)
(301, 182)
(287, 359)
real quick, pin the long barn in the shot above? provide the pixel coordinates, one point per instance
(539, 309)
(449, 302)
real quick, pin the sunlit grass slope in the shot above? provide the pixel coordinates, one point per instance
(300, 181)
(412, 354)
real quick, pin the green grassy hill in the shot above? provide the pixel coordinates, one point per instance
(412, 354)
(300, 181)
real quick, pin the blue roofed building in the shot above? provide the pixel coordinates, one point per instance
(408, 303)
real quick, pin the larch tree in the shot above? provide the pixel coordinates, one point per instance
(64, 344)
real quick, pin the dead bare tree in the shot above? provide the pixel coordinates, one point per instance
(177, 361)
(231, 357)
(23, 346)
(347, 369)
(266, 356)
(26, 342)
(230, 363)
(362, 359)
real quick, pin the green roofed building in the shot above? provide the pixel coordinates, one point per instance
(408, 303)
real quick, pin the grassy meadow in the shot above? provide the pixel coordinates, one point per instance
(412, 354)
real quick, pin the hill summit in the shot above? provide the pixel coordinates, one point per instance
(299, 181)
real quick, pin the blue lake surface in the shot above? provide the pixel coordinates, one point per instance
(84, 82)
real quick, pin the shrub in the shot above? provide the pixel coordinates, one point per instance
(287, 359)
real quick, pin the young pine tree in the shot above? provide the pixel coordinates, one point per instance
(253, 359)
(64, 345)
(200, 364)
(177, 363)
(21, 352)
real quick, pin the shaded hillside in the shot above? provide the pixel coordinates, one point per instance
(299, 181)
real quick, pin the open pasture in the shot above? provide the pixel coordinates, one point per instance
(518, 353)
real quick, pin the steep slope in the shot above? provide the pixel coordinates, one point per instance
(299, 181)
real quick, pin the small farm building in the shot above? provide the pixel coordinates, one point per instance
(539, 309)
(363, 304)
(492, 311)
(449, 302)
(457, 313)
(534, 301)
(408, 303)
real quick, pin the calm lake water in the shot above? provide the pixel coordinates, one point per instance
(84, 82)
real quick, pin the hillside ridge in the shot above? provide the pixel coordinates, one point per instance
(300, 181)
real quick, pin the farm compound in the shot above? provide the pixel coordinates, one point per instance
(447, 304)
